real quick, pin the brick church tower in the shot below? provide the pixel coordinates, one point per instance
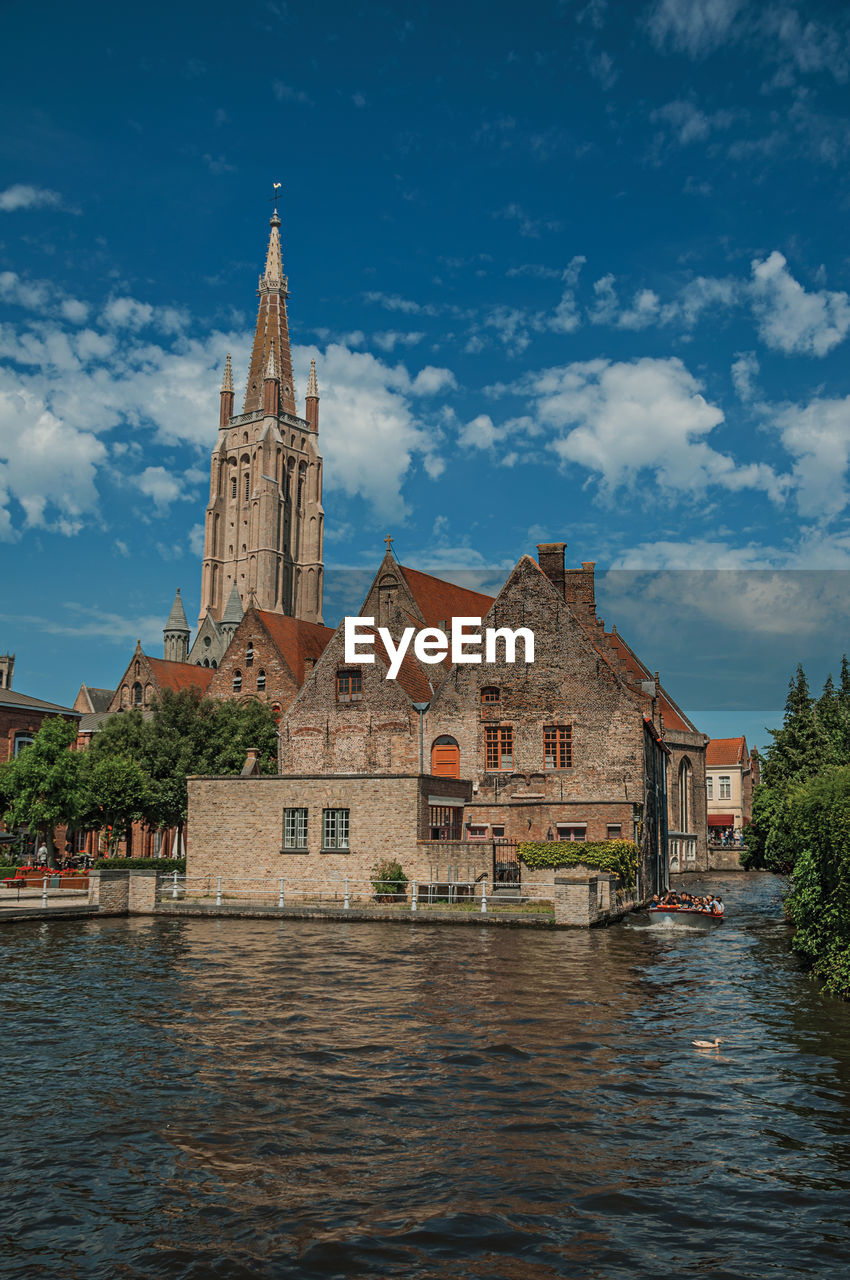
(264, 522)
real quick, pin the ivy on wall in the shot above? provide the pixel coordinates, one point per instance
(617, 856)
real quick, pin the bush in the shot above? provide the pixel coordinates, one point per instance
(388, 881)
(168, 865)
(617, 856)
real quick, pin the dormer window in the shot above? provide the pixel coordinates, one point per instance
(349, 686)
(490, 694)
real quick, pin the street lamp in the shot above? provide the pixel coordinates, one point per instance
(421, 707)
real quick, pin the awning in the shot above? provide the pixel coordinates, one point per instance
(721, 819)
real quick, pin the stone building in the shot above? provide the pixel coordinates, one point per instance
(145, 678)
(573, 746)
(268, 658)
(731, 774)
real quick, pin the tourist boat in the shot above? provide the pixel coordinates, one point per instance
(674, 914)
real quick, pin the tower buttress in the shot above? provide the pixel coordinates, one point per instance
(311, 411)
(226, 409)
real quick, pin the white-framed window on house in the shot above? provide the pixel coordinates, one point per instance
(725, 787)
(22, 740)
(335, 829)
(572, 830)
(295, 828)
(614, 831)
(709, 788)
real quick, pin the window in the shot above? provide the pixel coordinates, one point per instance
(709, 788)
(499, 744)
(295, 828)
(725, 782)
(349, 686)
(572, 830)
(444, 821)
(498, 833)
(233, 487)
(137, 694)
(476, 831)
(490, 693)
(261, 680)
(558, 746)
(22, 740)
(237, 681)
(249, 654)
(335, 829)
(247, 486)
(684, 796)
(614, 831)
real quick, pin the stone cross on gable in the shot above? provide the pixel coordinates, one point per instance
(389, 541)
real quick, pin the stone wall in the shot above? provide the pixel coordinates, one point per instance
(236, 826)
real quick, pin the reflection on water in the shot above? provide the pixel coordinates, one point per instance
(202, 1098)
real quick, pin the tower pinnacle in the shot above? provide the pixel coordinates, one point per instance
(227, 380)
(272, 331)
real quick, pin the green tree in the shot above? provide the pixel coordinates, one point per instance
(115, 790)
(41, 786)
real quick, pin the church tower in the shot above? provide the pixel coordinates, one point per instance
(265, 523)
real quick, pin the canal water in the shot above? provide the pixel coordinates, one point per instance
(225, 1098)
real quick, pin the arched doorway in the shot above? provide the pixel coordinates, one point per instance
(445, 757)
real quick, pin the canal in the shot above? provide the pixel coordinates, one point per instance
(254, 1098)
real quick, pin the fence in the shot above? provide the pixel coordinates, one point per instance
(347, 893)
(51, 885)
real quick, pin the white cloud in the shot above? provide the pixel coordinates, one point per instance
(688, 123)
(792, 320)
(389, 339)
(694, 27)
(47, 466)
(164, 487)
(624, 421)
(369, 427)
(23, 196)
(645, 308)
(745, 370)
(817, 435)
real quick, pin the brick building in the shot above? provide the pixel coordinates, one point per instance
(268, 658)
(577, 745)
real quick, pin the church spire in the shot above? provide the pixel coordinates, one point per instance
(176, 633)
(271, 337)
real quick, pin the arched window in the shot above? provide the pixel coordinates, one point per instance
(445, 757)
(490, 693)
(233, 487)
(247, 486)
(249, 654)
(237, 681)
(137, 694)
(685, 796)
(261, 680)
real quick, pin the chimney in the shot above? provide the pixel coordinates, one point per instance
(550, 557)
(579, 589)
(251, 767)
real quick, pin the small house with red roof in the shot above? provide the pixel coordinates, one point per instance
(146, 678)
(731, 773)
(268, 658)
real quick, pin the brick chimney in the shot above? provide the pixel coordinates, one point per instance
(580, 590)
(251, 767)
(550, 557)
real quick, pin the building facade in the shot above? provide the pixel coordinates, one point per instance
(731, 773)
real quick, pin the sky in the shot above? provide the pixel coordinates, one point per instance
(571, 272)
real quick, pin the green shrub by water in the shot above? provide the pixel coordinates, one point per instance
(617, 856)
(167, 865)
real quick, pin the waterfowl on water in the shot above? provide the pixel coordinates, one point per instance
(707, 1044)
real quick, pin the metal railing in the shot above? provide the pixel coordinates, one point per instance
(45, 887)
(350, 893)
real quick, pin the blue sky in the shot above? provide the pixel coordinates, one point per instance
(573, 272)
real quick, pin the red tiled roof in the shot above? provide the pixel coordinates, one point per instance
(722, 751)
(411, 675)
(180, 675)
(296, 640)
(673, 718)
(441, 601)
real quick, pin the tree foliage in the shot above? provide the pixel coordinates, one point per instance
(41, 788)
(801, 822)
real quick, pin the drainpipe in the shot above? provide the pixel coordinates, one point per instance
(421, 708)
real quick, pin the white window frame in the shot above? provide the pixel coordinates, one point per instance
(724, 786)
(295, 828)
(336, 829)
(709, 788)
(571, 827)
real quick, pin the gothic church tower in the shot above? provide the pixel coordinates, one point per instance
(264, 523)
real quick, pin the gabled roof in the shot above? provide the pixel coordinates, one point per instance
(11, 698)
(179, 675)
(441, 601)
(411, 675)
(726, 751)
(673, 717)
(296, 640)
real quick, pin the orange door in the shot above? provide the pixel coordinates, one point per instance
(445, 760)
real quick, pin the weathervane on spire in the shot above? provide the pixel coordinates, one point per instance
(276, 189)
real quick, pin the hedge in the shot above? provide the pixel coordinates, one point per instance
(618, 856)
(167, 865)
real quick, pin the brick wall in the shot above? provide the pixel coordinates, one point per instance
(281, 686)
